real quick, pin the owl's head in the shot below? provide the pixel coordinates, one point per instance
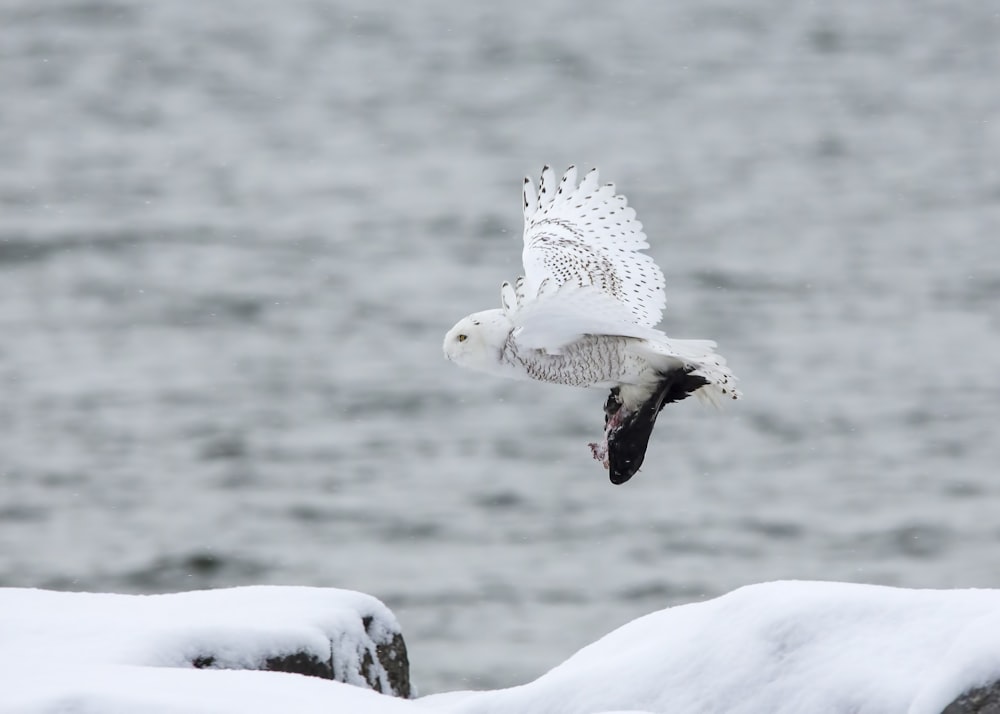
(477, 341)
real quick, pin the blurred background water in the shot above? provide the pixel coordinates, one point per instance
(232, 235)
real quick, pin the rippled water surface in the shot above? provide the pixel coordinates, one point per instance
(232, 235)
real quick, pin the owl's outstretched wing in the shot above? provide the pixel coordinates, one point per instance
(558, 316)
(583, 272)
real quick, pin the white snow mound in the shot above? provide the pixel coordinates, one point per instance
(776, 648)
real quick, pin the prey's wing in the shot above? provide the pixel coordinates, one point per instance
(586, 234)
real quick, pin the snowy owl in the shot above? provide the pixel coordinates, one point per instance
(585, 314)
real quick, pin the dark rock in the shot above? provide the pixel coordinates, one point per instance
(385, 665)
(300, 663)
(983, 700)
(394, 660)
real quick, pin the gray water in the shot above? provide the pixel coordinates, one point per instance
(232, 235)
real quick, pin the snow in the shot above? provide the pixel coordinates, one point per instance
(114, 689)
(99, 645)
(238, 627)
(778, 647)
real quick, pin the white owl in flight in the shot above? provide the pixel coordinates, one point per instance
(585, 314)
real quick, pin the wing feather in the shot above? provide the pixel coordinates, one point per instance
(567, 184)
(587, 235)
(565, 314)
(530, 199)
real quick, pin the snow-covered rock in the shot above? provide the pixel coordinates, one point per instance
(777, 648)
(982, 700)
(123, 689)
(335, 634)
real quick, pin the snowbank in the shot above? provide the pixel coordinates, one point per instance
(121, 689)
(786, 647)
(776, 648)
(337, 634)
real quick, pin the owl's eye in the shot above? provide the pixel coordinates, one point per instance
(463, 338)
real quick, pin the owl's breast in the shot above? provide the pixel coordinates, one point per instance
(595, 360)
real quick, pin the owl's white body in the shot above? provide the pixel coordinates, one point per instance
(585, 312)
(632, 364)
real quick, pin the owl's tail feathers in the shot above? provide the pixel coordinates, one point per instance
(699, 359)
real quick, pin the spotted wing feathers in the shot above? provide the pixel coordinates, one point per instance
(587, 235)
